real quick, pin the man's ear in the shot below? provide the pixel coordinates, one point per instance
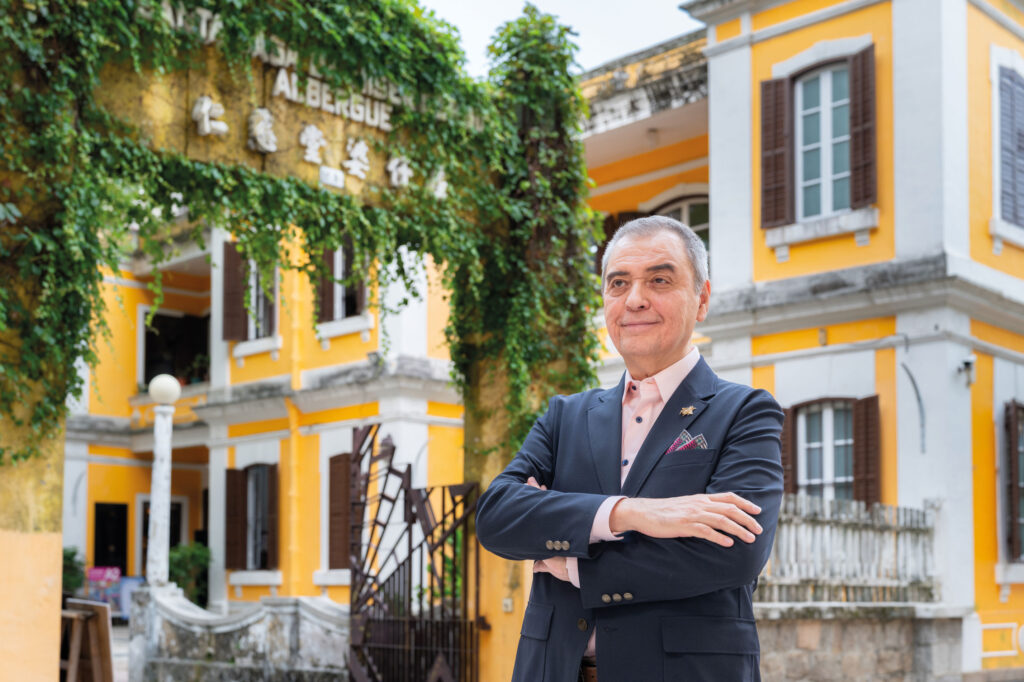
(704, 297)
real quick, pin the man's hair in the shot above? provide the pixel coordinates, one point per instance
(651, 225)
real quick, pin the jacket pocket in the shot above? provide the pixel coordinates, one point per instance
(687, 457)
(537, 621)
(533, 643)
(709, 635)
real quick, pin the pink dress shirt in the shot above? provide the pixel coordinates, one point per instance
(642, 403)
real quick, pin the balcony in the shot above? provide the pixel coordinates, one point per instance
(843, 551)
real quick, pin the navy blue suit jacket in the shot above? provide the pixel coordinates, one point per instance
(675, 609)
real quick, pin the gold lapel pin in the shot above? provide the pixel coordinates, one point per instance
(686, 411)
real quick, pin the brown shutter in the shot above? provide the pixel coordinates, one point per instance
(777, 192)
(867, 450)
(325, 289)
(270, 309)
(863, 190)
(338, 509)
(235, 519)
(273, 525)
(236, 327)
(789, 458)
(1012, 425)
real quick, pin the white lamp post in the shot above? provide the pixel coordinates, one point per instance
(164, 389)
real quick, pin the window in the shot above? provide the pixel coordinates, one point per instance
(338, 301)
(176, 344)
(831, 449)
(694, 212)
(251, 518)
(825, 450)
(823, 142)
(818, 140)
(1014, 430)
(239, 279)
(260, 322)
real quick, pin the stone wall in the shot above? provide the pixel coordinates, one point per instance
(299, 639)
(854, 644)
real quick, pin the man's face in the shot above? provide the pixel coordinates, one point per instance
(650, 303)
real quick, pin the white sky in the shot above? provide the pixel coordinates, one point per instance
(606, 28)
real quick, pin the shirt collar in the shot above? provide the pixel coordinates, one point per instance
(669, 379)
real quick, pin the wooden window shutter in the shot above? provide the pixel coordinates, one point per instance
(359, 286)
(863, 186)
(777, 193)
(235, 320)
(1013, 425)
(235, 521)
(338, 511)
(273, 525)
(325, 288)
(867, 450)
(1011, 146)
(789, 457)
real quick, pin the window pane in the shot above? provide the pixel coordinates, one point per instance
(841, 194)
(812, 164)
(675, 214)
(840, 85)
(814, 490)
(812, 200)
(698, 214)
(844, 461)
(844, 491)
(840, 121)
(842, 423)
(812, 129)
(840, 157)
(814, 463)
(811, 92)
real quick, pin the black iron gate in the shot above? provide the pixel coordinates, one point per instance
(413, 564)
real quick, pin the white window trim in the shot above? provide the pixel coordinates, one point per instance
(1001, 230)
(256, 578)
(828, 441)
(140, 530)
(268, 344)
(823, 51)
(826, 140)
(331, 577)
(354, 324)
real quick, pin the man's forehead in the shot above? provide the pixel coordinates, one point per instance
(662, 247)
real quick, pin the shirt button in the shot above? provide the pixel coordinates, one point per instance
(616, 597)
(606, 598)
(632, 387)
(639, 419)
(582, 624)
(627, 595)
(625, 462)
(549, 544)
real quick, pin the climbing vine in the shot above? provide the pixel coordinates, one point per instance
(81, 186)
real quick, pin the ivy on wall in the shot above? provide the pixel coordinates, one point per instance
(513, 237)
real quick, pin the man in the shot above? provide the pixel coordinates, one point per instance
(638, 503)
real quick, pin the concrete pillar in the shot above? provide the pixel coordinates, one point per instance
(160, 497)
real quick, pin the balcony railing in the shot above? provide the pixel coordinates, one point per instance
(846, 551)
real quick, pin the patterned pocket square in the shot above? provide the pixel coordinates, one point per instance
(687, 442)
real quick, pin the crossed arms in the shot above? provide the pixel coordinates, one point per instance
(673, 548)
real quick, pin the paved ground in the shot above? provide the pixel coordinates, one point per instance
(119, 645)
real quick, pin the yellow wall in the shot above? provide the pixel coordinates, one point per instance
(787, 11)
(119, 484)
(445, 458)
(840, 251)
(30, 589)
(981, 33)
(728, 29)
(810, 337)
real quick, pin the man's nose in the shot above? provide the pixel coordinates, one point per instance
(636, 299)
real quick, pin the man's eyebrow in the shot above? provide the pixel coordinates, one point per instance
(653, 268)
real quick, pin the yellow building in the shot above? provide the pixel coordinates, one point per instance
(853, 163)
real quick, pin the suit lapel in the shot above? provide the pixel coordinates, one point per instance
(698, 385)
(604, 426)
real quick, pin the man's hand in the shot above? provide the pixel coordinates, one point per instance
(554, 565)
(697, 516)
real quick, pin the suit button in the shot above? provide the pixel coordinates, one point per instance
(549, 544)
(582, 624)
(627, 595)
(606, 598)
(616, 597)
(565, 544)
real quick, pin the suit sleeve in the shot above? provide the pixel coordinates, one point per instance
(517, 521)
(652, 569)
